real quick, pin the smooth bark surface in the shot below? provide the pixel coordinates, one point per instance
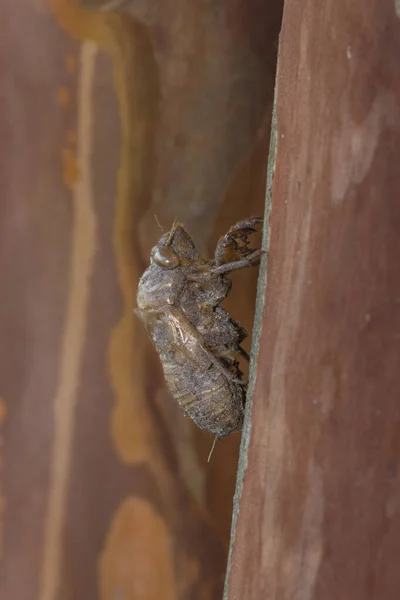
(318, 502)
(107, 119)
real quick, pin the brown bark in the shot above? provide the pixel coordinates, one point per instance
(318, 512)
(107, 119)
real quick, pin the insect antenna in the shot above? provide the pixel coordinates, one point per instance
(212, 449)
(159, 224)
(172, 232)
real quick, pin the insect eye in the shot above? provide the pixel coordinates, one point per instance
(164, 257)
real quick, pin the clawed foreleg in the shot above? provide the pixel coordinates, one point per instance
(234, 245)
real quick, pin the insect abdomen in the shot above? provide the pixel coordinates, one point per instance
(207, 397)
(204, 392)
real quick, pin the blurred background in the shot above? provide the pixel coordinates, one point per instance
(108, 118)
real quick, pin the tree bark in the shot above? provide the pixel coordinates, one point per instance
(106, 120)
(317, 512)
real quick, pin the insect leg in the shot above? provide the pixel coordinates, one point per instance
(234, 245)
(229, 352)
(242, 352)
(252, 260)
(221, 367)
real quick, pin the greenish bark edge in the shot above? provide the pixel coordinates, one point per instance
(257, 328)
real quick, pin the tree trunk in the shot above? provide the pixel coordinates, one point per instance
(107, 120)
(317, 512)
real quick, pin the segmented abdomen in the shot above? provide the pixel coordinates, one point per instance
(206, 396)
(205, 393)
